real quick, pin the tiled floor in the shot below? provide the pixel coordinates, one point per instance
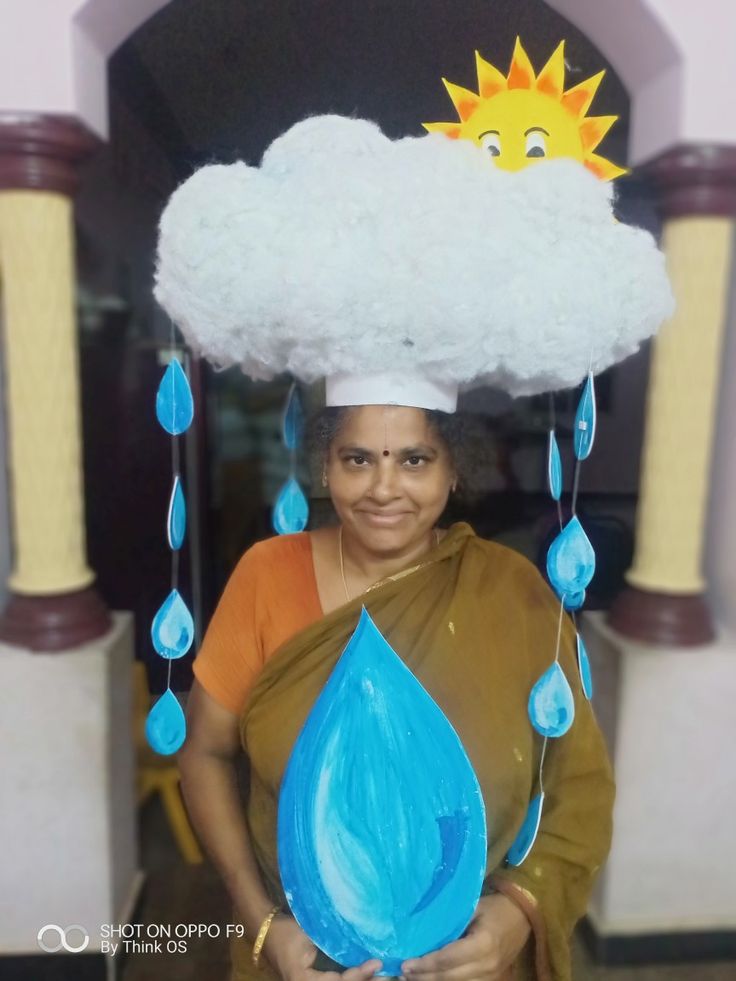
(177, 893)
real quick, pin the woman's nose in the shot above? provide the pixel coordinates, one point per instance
(384, 487)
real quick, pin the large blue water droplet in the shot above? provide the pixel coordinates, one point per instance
(291, 510)
(551, 705)
(585, 419)
(166, 727)
(554, 467)
(570, 559)
(381, 822)
(586, 677)
(174, 404)
(176, 520)
(293, 419)
(527, 832)
(172, 630)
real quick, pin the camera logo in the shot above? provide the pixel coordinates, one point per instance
(53, 938)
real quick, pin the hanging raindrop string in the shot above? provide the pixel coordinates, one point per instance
(172, 630)
(570, 568)
(291, 510)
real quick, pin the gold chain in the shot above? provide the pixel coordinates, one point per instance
(342, 562)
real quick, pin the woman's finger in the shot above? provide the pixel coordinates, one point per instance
(465, 951)
(362, 971)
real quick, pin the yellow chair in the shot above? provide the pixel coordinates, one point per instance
(160, 774)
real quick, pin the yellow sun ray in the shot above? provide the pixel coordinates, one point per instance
(490, 79)
(465, 101)
(593, 129)
(453, 130)
(579, 98)
(521, 73)
(551, 79)
(521, 117)
(605, 169)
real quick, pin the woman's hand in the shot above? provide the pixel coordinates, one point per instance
(487, 950)
(292, 954)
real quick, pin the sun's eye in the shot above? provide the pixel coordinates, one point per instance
(491, 142)
(536, 144)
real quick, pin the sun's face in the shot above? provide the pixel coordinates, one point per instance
(521, 118)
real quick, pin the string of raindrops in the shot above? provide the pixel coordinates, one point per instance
(570, 568)
(172, 628)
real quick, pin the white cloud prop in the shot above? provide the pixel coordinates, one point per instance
(347, 252)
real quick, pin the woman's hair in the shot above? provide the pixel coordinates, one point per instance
(464, 435)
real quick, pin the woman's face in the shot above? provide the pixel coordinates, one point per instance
(389, 474)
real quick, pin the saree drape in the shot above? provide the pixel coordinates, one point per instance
(477, 625)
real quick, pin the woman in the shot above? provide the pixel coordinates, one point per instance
(476, 624)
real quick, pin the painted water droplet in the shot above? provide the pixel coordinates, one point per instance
(166, 727)
(527, 832)
(570, 559)
(293, 425)
(381, 822)
(551, 705)
(176, 520)
(172, 630)
(554, 467)
(573, 601)
(586, 677)
(585, 421)
(291, 510)
(174, 404)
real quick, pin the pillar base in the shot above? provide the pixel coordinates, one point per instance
(54, 623)
(662, 618)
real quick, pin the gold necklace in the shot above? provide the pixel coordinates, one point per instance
(342, 563)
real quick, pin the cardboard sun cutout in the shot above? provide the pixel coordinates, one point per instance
(521, 117)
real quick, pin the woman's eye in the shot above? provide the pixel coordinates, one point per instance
(536, 145)
(491, 142)
(357, 460)
(415, 461)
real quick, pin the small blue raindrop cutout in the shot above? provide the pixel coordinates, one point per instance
(293, 426)
(551, 705)
(291, 510)
(381, 821)
(172, 630)
(176, 520)
(586, 677)
(570, 559)
(166, 727)
(174, 404)
(573, 601)
(527, 832)
(585, 420)
(554, 467)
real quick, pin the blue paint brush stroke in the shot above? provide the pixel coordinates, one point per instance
(381, 822)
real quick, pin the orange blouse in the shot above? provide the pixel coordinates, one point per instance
(270, 596)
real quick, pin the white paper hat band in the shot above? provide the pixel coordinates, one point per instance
(391, 389)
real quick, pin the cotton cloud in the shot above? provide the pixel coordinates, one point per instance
(348, 252)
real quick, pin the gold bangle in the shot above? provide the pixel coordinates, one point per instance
(262, 933)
